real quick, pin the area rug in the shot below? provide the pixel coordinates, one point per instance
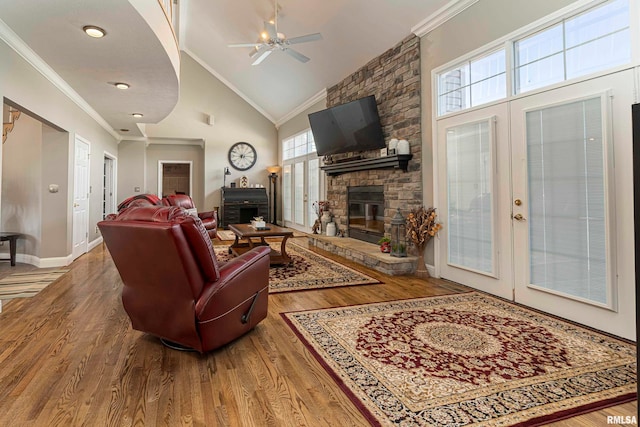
(308, 270)
(466, 359)
(22, 285)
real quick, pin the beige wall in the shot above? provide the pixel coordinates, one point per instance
(131, 169)
(186, 153)
(299, 122)
(21, 184)
(202, 94)
(55, 164)
(24, 85)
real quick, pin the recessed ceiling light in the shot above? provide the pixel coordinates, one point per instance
(93, 31)
(123, 86)
(137, 115)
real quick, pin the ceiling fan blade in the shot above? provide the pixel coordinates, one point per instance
(300, 57)
(271, 30)
(244, 45)
(304, 39)
(260, 54)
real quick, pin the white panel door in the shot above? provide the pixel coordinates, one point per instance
(572, 173)
(80, 197)
(474, 200)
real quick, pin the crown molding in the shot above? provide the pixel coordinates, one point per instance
(441, 16)
(33, 59)
(228, 84)
(300, 108)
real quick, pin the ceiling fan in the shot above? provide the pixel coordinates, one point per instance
(270, 40)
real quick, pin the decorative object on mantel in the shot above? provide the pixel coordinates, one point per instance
(398, 235)
(244, 182)
(393, 145)
(331, 229)
(385, 244)
(403, 147)
(421, 227)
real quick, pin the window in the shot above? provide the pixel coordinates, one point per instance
(595, 40)
(473, 83)
(298, 145)
(592, 41)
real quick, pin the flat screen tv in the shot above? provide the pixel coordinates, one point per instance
(354, 126)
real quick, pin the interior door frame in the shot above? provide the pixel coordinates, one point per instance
(161, 164)
(109, 206)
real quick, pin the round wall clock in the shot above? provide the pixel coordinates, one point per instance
(242, 156)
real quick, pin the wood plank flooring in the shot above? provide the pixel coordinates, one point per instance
(68, 357)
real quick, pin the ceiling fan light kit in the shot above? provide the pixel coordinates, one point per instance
(271, 39)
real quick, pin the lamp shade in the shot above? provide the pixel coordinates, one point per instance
(274, 169)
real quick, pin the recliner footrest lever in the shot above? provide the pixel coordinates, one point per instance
(245, 317)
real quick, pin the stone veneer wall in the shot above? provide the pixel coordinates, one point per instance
(394, 79)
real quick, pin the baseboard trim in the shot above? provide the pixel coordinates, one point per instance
(94, 243)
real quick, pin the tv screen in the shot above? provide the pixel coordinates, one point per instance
(354, 126)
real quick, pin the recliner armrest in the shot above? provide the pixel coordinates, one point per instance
(239, 279)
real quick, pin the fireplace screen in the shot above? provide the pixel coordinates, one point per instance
(366, 212)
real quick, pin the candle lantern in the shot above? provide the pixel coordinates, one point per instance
(398, 235)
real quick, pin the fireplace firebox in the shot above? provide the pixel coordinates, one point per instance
(366, 212)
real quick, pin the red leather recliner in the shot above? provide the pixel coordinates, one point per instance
(209, 219)
(139, 200)
(174, 288)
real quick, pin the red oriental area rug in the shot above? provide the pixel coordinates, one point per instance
(308, 270)
(466, 359)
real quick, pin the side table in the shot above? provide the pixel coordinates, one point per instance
(12, 238)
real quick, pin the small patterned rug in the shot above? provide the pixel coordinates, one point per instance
(466, 359)
(308, 270)
(22, 285)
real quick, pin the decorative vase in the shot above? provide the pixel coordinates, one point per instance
(403, 147)
(331, 229)
(385, 247)
(421, 268)
(325, 219)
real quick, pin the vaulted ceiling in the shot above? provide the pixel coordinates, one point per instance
(353, 33)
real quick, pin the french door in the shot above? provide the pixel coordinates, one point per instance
(534, 200)
(301, 187)
(474, 174)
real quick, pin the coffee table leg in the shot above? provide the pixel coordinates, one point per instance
(12, 250)
(286, 259)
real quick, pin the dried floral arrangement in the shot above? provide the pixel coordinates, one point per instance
(321, 206)
(422, 226)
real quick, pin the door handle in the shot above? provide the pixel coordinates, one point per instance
(519, 217)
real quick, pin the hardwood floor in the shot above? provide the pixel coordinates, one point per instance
(68, 357)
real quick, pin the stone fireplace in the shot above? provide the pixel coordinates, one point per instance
(394, 79)
(365, 216)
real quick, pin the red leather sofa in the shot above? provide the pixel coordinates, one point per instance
(174, 288)
(209, 219)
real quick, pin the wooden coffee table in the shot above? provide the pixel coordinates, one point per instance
(247, 232)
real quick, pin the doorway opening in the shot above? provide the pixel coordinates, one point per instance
(174, 177)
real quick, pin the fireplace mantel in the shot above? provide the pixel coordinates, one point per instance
(398, 161)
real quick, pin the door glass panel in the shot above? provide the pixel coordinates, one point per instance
(470, 191)
(286, 193)
(313, 188)
(298, 180)
(565, 163)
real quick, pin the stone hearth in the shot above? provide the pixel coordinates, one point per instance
(367, 254)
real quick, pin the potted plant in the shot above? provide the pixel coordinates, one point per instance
(385, 244)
